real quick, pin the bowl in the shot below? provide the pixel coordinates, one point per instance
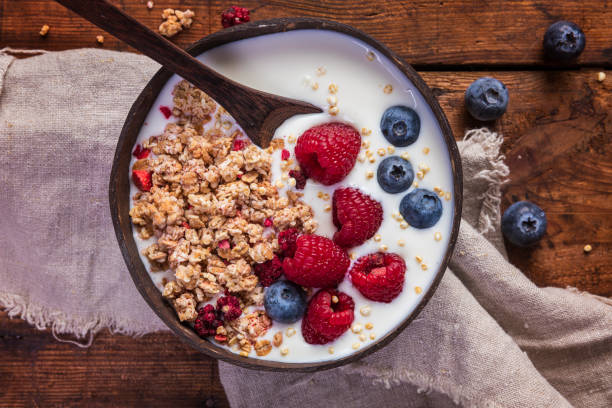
(119, 191)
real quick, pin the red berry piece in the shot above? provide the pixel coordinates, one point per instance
(142, 179)
(229, 307)
(356, 215)
(268, 222)
(240, 144)
(379, 276)
(285, 154)
(326, 320)
(235, 15)
(141, 153)
(185, 224)
(300, 179)
(328, 152)
(317, 262)
(165, 111)
(224, 244)
(287, 242)
(207, 321)
(269, 271)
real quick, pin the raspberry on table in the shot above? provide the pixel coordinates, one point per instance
(235, 15)
(326, 320)
(207, 321)
(327, 153)
(379, 276)
(229, 307)
(142, 179)
(317, 263)
(269, 271)
(356, 215)
(287, 242)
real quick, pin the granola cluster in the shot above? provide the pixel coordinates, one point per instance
(175, 21)
(213, 212)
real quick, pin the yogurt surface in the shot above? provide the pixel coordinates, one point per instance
(303, 64)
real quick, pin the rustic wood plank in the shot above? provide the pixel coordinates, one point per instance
(460, 32)
(156, 370)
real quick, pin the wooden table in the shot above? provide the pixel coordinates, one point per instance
(558, 144)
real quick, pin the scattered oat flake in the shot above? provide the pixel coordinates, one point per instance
(165, 111)
(388, 89)
(44, 30)
(100, 39)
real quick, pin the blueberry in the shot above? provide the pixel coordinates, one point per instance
(486, 98)
(395, 174)
(563, 41)
(523, 223)
(285, 302)
(421, 208)
(400, 125)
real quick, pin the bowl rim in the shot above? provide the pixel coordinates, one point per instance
(119, 191)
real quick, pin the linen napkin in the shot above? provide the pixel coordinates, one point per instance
(488, 337)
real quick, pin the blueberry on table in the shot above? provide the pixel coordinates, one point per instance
(421, 208)
(400, 125)
(285, 302)
(563, 41)
(523, 223)
(395, 174)
(486, 98)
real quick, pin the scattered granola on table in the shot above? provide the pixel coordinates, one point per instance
(208, 201)
(175, 21)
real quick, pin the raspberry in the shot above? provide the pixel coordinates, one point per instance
(379, 276)
(327, 152)
(229, 307)
(207, 321)
(235, 15)
(300, 178)
(268, 222)
(269, 271)
(317, 263)
(325, 321)
(240, 144)
(285, 154)
(165, 111)
(142, 179)
(356, 215)
(286, 242)
(141, 153)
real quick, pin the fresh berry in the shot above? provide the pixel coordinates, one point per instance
(395, 174)
(300, 178)
(165, 111)
(328, 152)
(563, 41)
(235, 15)
(400, 125)
(317, 263)
(356, 215)
(229, 307)
(379, 276)
(141, 153)
(240, 144)
(142, 179)
(269, 271)
(287, 242)
(421, 208)
(486, 98)
(285, 302)
(523, 223)
(285, 154)
(326, 320)
(207, 321)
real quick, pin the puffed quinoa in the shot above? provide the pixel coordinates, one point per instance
(278, 339)
(206, 212)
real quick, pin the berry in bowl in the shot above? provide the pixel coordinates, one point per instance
(314, 251)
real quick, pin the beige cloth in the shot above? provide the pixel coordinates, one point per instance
(488, 337)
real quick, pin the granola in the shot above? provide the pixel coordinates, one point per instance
(213, 213)
(174, 21)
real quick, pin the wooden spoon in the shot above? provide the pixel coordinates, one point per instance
(258, 113)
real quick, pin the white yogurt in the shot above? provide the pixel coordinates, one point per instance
(288, 64)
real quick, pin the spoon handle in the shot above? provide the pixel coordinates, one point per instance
(116, 22)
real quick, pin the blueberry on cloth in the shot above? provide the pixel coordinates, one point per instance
(421, 208)
(395, 174)
(486, 98)
(400, 125)
(563, 41)
(285, 302)
(523, 223)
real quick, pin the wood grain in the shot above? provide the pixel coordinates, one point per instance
(425, 32)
